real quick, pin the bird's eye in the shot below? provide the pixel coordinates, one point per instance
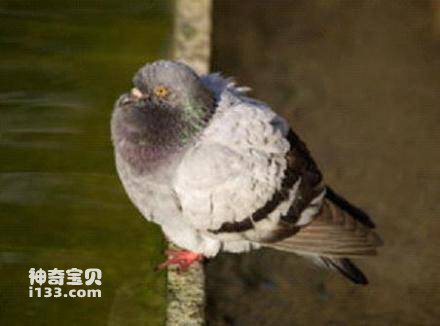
(161, 91)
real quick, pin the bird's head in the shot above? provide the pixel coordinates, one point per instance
(173, 85)
(166, 109)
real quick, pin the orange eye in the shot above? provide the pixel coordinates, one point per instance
(161, 91)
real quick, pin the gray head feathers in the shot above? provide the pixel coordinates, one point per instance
(182, 83)
(169, 73)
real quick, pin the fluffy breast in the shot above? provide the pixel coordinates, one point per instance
(236, 167)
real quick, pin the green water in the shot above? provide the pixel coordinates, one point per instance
(62, 65)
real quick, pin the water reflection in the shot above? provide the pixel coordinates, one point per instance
(61, 204)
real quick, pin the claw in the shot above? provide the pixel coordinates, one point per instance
(181, 258)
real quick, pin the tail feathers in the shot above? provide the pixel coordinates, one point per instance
(346, 268)
(345, 265)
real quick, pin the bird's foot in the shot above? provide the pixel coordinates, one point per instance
(181, 258)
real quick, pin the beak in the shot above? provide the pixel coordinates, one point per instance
(136, 93)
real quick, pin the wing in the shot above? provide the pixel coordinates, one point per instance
(337, 233)
(236, 166)
(333, 233)
(247, 173)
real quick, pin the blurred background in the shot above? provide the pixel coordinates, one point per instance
(62, 66)
(360, 83)
(358, 80)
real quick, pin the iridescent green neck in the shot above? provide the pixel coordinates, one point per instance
(195, 117)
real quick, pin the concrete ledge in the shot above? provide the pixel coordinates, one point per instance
(191, 44)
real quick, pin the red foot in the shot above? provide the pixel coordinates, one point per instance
(182, 258)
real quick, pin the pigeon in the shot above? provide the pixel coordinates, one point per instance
(222, 172)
